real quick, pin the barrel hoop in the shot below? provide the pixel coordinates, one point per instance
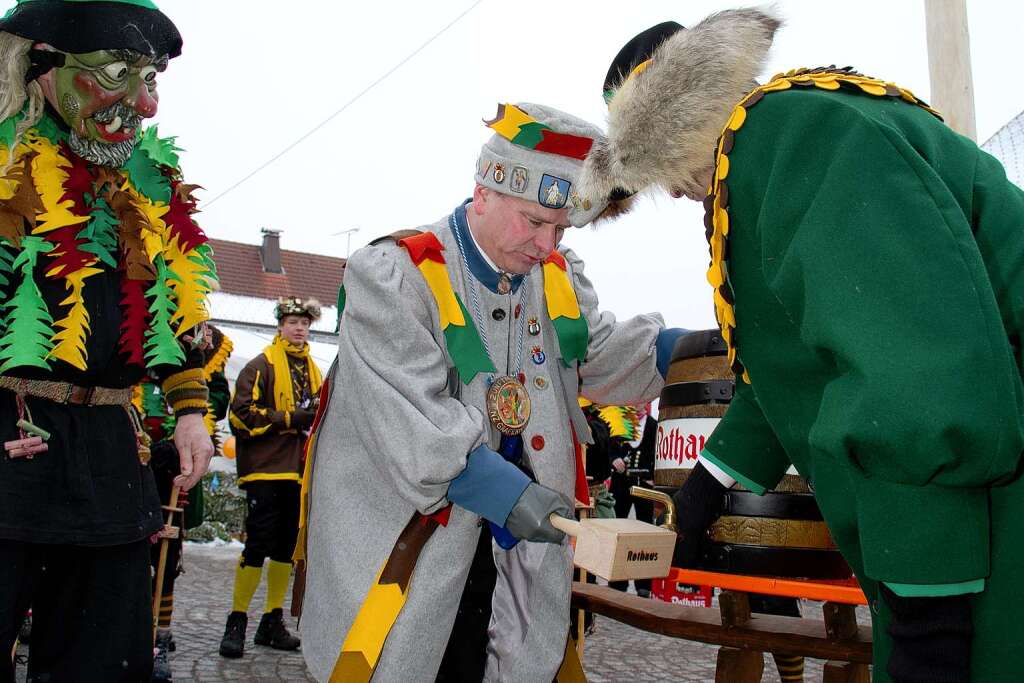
(699, 343)
(698, 393)
(781, 505)
(767, 561)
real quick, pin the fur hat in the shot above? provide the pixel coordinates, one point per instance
(294, 305)
(78, 26)
(537, 154)
(663, 120)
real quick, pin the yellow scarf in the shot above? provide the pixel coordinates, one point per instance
(277, 355)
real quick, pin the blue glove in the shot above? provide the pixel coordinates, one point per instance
(664, 345)
(490, 486)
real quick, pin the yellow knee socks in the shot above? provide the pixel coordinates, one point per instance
(278, 574)
(791, 667)
(247, 579)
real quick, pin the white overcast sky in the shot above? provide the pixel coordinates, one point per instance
(255, 76)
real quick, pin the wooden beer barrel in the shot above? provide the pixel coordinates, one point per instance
(780, 533)
(698, 389)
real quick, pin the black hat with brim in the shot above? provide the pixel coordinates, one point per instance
(78, 26)
(637, 51)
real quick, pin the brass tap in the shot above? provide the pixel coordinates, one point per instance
(661, 498)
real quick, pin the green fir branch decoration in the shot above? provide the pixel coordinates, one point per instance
(161, 150)
(48, 128)
(100, 233)
(27, 321)
(161, 346)
(147, 178)
(6, 262)
(205, 252)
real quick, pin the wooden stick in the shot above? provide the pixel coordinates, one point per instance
(161, 565)
(570, 527)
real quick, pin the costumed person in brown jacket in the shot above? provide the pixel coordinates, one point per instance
(273, 407)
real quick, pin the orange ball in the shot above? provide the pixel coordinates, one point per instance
(229, 448)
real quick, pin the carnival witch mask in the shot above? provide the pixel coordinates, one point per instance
(97, 64)
(103, 96)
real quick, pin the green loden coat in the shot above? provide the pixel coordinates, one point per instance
(876, 260)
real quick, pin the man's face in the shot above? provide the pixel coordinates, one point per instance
(103, 97)
(515, 233)
(294, 329)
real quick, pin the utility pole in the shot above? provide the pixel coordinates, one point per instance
(949, 64)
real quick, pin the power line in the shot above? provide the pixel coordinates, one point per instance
(348, 104)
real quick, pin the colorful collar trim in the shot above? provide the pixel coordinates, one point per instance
(478, 265)
(81, 218)
(519, 128)
(564, 310)
(460, 334)
(716, 204)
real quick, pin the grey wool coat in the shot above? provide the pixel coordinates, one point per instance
(394, 436)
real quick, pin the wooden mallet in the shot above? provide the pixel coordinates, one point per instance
(619, 549)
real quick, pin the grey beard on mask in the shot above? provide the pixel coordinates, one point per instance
(111, 155)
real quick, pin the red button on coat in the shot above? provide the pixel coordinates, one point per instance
(537, 443)
(521, 377)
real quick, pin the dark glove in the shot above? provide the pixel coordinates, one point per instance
(528, 519)
(302, 419)
(931, 638)
(698, 504)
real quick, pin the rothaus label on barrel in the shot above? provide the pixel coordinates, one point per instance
(680, 441)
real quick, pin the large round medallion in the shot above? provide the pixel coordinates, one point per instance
(508, 405)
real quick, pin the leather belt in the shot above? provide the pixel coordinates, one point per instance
(764, 561)
(696, 393)
(66, 393)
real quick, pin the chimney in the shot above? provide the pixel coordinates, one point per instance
(270, 251)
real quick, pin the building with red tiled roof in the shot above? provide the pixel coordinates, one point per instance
(267, 272)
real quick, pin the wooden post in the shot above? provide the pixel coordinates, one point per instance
(738, 666)
(735, 608)
(949, 64)
(841, 624)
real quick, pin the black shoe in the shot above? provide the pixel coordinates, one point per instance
(25, 633)
(161, 662)
(273, 633)
(233, 643)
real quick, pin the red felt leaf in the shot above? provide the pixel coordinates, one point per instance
(556, 258)
(424, 245)
(179, 218)
(66, 255)
(573, 146)
(135, 320)
(78, 182)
